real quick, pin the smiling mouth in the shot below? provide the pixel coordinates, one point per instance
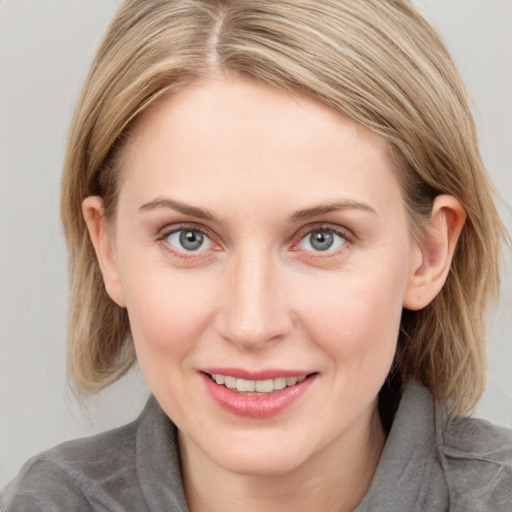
(256, 387)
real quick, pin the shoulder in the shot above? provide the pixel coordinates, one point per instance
(477, 461)
(76, 474)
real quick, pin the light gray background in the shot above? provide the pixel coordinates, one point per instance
(45, 49)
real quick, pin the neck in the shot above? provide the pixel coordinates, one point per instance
(334, 480)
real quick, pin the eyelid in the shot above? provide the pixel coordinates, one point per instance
(168, 230)
(342, 232)
(163, 233)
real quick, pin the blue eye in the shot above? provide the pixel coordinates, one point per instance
(189, 240)
(322, 240)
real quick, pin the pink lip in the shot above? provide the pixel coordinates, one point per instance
(256, 406)
(240, 373)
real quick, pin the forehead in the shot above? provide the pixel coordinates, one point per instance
(233, 134)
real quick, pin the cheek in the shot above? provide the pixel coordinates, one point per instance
(168, 312)
(357, 319)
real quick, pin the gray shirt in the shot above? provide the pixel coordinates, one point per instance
(431, 462)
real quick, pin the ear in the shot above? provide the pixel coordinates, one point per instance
(433, 254)
(94, 215)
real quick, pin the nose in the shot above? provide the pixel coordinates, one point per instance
(254, 310)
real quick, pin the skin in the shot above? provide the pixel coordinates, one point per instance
(268, 168)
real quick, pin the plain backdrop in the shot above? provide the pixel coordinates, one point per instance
(45, 49)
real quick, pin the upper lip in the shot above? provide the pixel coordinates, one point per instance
(263, 374)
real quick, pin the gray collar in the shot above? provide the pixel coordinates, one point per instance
(409, 467)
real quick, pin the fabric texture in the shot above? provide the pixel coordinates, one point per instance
(431, 462)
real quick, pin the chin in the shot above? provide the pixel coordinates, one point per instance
(262, 463)
(261, 452)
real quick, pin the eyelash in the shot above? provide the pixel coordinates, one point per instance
(166, 233)
(344, 234)
(348, 238)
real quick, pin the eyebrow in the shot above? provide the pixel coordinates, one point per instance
(303, 214)
(186, 209)
(331, 207)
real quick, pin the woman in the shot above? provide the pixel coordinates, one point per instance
(279, 210)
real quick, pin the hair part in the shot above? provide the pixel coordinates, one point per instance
(378, 62)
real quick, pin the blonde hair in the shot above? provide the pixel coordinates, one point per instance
(378, 62)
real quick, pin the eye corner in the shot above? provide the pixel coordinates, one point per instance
(332, 239)
(186, 241)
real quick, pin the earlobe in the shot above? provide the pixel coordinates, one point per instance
(94, 215)
(432, 255)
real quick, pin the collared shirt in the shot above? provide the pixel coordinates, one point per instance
(431, 462)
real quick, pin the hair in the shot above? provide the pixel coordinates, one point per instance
(380, 63)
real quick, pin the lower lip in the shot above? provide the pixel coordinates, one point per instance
(256, 406)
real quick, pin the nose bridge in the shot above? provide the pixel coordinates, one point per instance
(255, 311)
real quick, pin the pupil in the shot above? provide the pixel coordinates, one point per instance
(191, 240)
(321, 240)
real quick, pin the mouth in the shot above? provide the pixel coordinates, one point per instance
(256, 387)
(267, 394)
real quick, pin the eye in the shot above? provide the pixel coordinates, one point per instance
(188, 240)
(322, 240)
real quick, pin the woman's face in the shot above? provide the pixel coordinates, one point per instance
(261, 241)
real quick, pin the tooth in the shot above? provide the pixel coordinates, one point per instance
(300, 379)
(219, 379)
(264, 386)
(230, 382)
(244, 385)
(279, 383)
(291, 381)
